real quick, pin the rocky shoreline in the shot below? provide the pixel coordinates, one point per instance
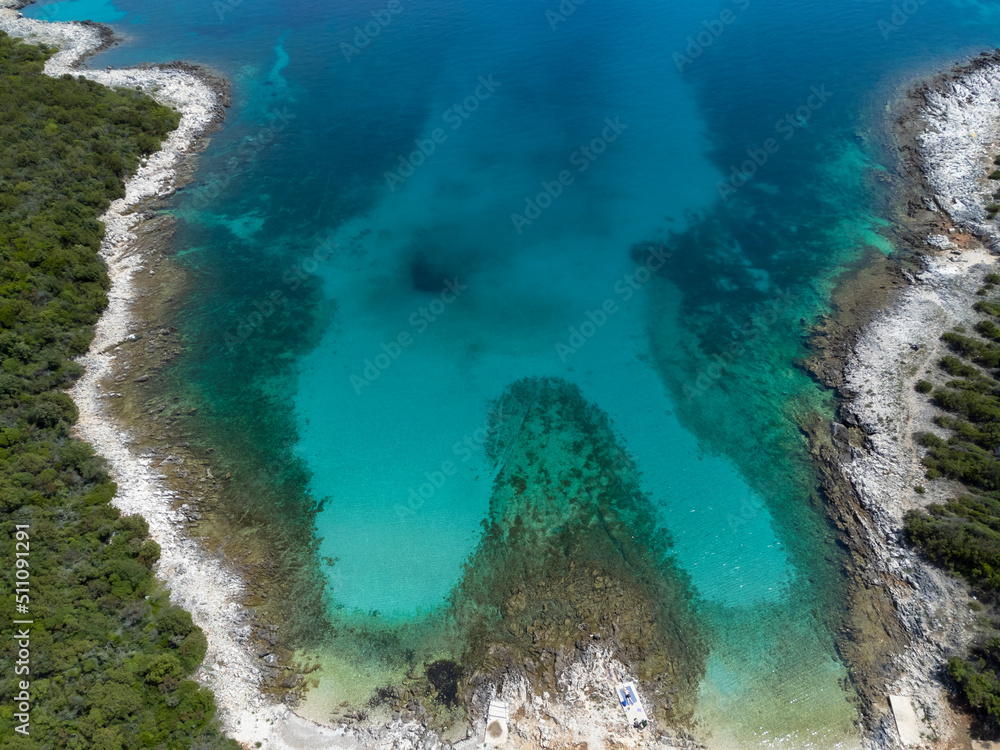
(206, 585)
(198, 582)
(159, 484)
(948, 132)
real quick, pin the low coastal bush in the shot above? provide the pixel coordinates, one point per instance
(963, 534)
(981, 352)
(109, 654)
(923, 386)
(978, 679)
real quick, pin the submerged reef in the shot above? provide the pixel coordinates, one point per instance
(572, 556)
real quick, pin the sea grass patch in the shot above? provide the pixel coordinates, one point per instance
(572, 556)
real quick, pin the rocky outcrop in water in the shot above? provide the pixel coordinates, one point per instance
(573, 558)
(958, 143)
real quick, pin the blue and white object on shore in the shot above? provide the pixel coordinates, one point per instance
(628, 699)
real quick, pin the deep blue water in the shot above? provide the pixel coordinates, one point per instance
(477, 187)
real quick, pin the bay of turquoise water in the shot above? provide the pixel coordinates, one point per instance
(475, 191)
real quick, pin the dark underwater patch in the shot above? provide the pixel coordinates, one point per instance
(573, 557)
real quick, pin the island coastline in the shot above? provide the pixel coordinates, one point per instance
(880, 355)
(204, 585)
(948, 132)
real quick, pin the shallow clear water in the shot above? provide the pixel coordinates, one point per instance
(100, 11)
(411, 178)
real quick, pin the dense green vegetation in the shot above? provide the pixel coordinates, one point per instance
(109, 654)
(963, 534)
(978, 678)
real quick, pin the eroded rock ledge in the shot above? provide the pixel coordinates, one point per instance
(948, 132)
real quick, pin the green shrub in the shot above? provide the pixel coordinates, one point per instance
(923, 386)
(114, 701)
(175, 621)
(977, 680)
(963, 534)
(160, 668)
(192, 649)
(149, 553)
(102, 675)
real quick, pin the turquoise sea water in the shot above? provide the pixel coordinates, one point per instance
(99, 11)
(473, 192)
